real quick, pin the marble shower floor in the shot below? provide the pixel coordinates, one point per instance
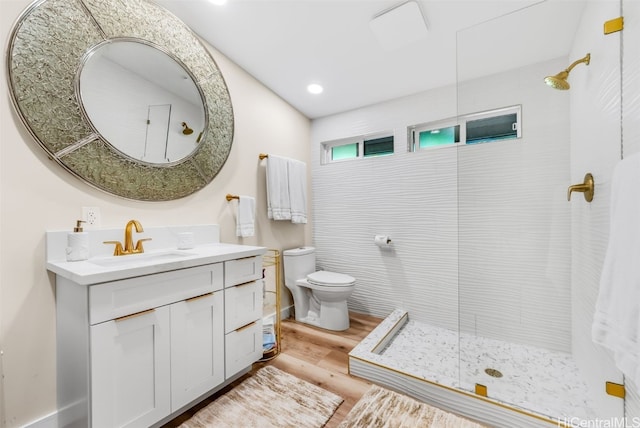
(534, 379)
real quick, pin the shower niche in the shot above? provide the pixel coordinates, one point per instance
(518, 351)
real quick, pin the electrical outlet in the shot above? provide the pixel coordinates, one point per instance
(91, 216)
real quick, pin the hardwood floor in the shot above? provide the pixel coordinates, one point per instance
(317, 356)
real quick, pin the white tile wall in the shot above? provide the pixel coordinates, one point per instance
(352, 203)
(512, 190)
(513, 216)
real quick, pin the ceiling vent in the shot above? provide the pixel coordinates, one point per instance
(399, 26)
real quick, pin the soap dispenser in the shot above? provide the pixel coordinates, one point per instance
(77, 243)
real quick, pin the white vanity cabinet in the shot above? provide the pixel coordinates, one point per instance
(148, 365)
(136, 352)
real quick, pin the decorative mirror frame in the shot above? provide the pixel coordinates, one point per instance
(44, 57)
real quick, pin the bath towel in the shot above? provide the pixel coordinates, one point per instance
(245, 223)
(616, 322)
(278, 204)
(298, 190)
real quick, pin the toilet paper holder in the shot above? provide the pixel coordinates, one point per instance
(382, 240)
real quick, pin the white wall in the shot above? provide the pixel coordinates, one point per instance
(38, 195)
(515, 189)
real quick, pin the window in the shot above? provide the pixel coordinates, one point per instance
(439, 136)
(347, 151)
(474, 128)
(378, 146)
(485, 127)
(357, 148)
(436, 134)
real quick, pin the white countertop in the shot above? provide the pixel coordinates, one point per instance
(89, 272)
(160, 254)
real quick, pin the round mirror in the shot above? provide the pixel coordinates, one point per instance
(121, 94)
(142, 101)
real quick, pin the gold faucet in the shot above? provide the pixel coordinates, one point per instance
(128, 240)
(587, 187)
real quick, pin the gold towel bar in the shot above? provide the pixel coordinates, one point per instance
(230, 197)
(263, 156)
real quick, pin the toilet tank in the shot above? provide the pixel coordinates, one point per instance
(298, 263)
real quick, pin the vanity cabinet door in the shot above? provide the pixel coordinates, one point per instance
(197, 347)
(130, 370)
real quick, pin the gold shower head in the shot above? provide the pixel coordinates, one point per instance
(185, 129)
(559, 81)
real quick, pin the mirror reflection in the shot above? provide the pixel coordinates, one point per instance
(142, 101)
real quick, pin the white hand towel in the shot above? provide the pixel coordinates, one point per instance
(298, 191)
(278, 205)
(616, 322)
(245, 223)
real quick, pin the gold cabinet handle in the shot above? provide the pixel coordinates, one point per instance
(202, 296)
(244, 327)
(244, 284)
(587, 188)
(137, 314)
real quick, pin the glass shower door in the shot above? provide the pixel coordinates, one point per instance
(521, 311)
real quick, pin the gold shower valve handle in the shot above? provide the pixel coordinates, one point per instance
(587, 188)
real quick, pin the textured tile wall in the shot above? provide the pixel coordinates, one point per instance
(513, 216)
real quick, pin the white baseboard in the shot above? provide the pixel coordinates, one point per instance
(285, 313)
(49, 421)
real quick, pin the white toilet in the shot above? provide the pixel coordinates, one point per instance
(320, 297)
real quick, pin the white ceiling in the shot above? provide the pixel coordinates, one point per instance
(288, 44)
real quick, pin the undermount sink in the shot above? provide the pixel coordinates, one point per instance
(139, 259)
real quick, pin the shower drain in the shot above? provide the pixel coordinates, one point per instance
(493, 372)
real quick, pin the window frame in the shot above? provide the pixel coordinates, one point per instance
(327, 147)
(414, 130)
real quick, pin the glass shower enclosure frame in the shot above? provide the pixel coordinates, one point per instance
(529, 259)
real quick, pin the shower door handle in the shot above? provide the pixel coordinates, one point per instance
(587, 188)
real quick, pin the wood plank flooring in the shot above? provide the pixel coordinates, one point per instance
(317, 356)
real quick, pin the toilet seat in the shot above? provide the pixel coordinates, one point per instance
(325, 278)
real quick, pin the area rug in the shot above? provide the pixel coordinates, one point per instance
(381, 408)
(269, 399)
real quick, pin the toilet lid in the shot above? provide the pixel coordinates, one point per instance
(329, 279)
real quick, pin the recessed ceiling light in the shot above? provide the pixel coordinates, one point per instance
(218, 2)
(314, 88)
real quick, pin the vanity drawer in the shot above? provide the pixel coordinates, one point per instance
(243, 347)
(242, 305)
(116, 299)
(242, 270)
